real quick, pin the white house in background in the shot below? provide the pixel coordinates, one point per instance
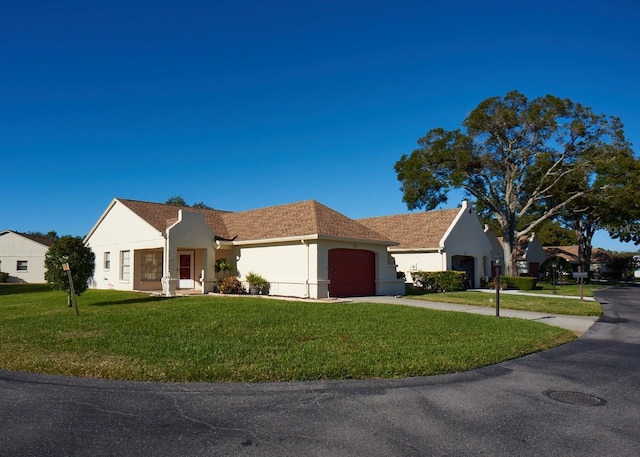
(529, 253)
(530, 256)
(303, 249)
(22, 256)
(497, 251)
(450, 239)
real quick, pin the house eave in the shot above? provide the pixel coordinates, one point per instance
(314, 237)
(434, 249)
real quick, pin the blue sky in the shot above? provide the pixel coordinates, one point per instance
(244, 104)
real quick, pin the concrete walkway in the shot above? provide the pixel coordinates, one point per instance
(532, 294)
(576, 324)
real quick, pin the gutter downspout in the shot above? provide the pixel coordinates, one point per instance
(306, 282)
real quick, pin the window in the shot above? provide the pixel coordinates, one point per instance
(107, 261)
(21, 265)
(125, 265)
(151, 265)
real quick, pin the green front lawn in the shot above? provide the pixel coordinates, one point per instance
(126, 335)
(569, 306)
(567, 289)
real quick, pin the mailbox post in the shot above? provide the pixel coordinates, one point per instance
(581, 276)
(497, 265)
(72, 291)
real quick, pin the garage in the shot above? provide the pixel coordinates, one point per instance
(352, 272)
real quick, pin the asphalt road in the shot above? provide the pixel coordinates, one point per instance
(579, 399)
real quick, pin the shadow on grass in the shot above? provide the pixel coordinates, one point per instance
(130, 301)
(23, 288)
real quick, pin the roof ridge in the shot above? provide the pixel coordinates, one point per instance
(414, 213)
(184, 207)
(282, 205)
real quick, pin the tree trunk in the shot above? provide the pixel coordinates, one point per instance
(584, 231)
(509, 245)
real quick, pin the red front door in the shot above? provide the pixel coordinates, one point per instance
(185, 266)
(352, 272)
(185, 270)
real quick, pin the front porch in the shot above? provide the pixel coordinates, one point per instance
(185, 271)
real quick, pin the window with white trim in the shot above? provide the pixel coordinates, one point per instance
(22, 265)
(107, 261)
(125, 265)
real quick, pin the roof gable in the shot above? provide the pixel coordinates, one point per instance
(43, 240)
(421, 230)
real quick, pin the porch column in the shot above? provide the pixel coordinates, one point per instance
(209, 269)
(169, 281)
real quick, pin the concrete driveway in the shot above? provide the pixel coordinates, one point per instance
(579, 399)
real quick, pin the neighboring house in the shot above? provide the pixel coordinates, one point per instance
(600, 260)
(450, 239)
(529, 256)
(529, 253)
(303, 249)
(22, 256)
(636, 273)
(533, 255)
(497, 251)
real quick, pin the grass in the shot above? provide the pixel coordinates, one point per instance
(559, 305)
(567, 289)
(127, 335)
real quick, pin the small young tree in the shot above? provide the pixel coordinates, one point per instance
(81, 260)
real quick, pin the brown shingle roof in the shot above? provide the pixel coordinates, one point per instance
(297, 219)
(37, 238)
(161, 216)
(521, 246)
(414, 230)
(306, 218)
(570, 253)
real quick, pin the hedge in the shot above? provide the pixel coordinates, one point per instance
(520, 282)
(440, 281)
(4, 276)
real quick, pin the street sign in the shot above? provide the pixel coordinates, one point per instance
(580, 274)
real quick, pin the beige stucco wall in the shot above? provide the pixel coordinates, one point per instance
(120, 230)
(300, 268)
(14, 247)
(465, 237)
(290, 267)
(409, 261)
(535, 252)
(191, 233)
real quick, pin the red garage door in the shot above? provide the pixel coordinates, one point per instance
(352, 272)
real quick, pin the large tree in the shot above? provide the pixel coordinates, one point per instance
(611, 203)
(512, 153)
(81, 260)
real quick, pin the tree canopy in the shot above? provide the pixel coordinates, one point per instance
(512, 155)
(71, 250)
(177, 200)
